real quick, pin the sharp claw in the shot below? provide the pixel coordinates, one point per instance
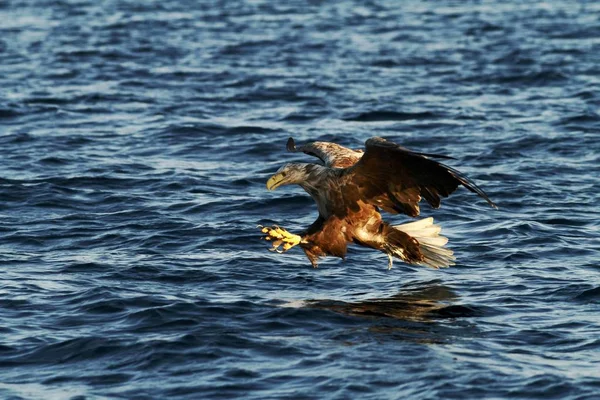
(279, 236)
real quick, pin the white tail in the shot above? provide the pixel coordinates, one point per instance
(431, 243)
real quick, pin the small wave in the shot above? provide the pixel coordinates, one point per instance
(586, 121)
(383, 115)
(520, 78)
(7, 113)
(592, 295)
(67, 351)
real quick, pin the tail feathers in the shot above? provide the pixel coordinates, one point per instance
(431, 244)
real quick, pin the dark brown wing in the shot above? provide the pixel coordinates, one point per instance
(333, 155)
(395, 179)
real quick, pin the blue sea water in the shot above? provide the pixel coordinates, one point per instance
(136, 138)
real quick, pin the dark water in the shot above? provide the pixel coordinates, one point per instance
(136, 139)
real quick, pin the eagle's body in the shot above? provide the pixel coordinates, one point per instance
(352, 186)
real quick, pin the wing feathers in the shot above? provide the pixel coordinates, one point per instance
(333, 155)
(466, 182)
(388, 176)
(395, 178)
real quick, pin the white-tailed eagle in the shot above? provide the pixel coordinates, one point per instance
(352, 186)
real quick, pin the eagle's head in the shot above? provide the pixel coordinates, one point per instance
(292, 173)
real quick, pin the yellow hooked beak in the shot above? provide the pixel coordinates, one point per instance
(275, 181)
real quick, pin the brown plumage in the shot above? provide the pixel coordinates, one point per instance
(352, 186)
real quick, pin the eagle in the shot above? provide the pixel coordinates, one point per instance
(352, 187)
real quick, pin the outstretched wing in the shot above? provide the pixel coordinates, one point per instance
(333, 155)
(395, 179)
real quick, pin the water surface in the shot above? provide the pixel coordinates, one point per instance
(136, 139)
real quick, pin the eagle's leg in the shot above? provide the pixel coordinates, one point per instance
(312, 257)
(391, 261)
(280, 236)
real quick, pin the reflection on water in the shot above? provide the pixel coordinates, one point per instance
(409, 315)
(415, 304)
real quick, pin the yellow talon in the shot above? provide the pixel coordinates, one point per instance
(280, 236)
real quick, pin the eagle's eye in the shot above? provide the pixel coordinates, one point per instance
(284, 174)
